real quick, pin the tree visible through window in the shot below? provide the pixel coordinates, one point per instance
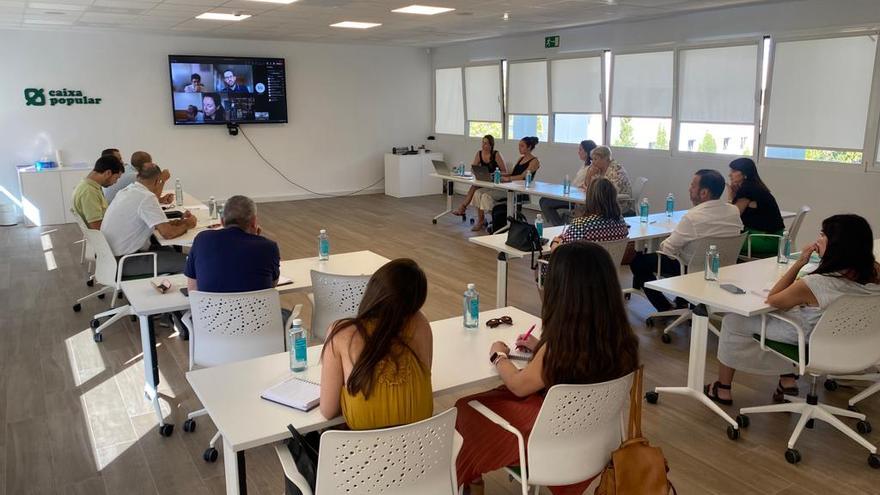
(625, 136)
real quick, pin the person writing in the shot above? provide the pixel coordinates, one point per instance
(551, 207)
(489, 157)
(603, 165)
(376, 367)
(757, 207)
(847, 267)
(485, 198)
(88, 197)
(585, 338)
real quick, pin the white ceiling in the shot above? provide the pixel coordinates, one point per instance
(309, 20)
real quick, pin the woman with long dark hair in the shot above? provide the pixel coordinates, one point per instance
(528, 163)
(376, 367)
(489, 157)
(847, 267)
(600, 220)
(551, 207)
(585, 338)
(757, 206)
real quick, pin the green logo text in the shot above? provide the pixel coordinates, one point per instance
(37, 97)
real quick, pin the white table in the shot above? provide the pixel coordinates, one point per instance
(145, 301)
(756, 278)
(450, 180)
(231, 393)
(203, 221)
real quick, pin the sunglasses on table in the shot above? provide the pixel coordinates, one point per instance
(494, 322)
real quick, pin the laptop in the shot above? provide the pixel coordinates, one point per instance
(481, 172)
(441, 168)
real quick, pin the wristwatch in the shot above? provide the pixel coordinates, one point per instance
(497, 356)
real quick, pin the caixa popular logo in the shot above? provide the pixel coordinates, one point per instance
(37, 97)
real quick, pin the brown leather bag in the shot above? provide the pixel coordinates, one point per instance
(635, 467)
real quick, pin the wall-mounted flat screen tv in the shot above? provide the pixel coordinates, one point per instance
(221, 90)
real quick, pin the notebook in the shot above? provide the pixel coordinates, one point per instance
(296, 392)
(519, 354)
(282, 280)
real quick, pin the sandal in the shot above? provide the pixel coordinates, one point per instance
(781, 392)
(459, 212)
(713, 388)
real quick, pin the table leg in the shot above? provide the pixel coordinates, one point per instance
(449, 190)
(151, 371)
(234, 465)
(697, 368)
(501, 282)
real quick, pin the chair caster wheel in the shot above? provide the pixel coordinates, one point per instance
(627, 296)
(732, 433)
(830, 385)
(210, 455)
(434, 221)
(166, 430)
(794, 457)
(743, 421)
(810, 424)
(853, 409)
(874, 461)
(98, 337)
(189, 425)
(649, 322)
(102, 296)
(863, 427)
(90, 282)
(472, 220)
(95, 323)
(652, 397)
(77, 307)
(666, 338)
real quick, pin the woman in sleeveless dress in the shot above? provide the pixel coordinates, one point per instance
(485, 198)
(488, 156)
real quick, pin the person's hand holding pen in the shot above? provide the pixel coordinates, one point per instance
(527, 341)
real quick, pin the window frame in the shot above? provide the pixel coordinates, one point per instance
(551, 115)
(467, 120)
(434, 102)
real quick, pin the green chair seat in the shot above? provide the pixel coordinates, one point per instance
(790, 351)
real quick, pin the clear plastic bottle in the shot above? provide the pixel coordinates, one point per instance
(178, 192)
(644, 210)
(670, 204)
(566, 185)
(296, 344)
(460, 168)
(471, 307)
(496, 176)
(713, 263)
(784, 249)
(323, 245)
(212, 208)
(539, 225)
(528, 179)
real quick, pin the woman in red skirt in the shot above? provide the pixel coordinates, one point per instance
(586, 338)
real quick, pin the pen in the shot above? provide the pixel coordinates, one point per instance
(528, 333)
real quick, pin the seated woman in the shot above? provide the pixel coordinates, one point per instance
(757, 207)
(585, 338)
(485, 198)
(488, 156)
(846, 246)
(376, 367)
(603, 165)
(551, 207)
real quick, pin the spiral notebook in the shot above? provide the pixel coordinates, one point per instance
(296, 392)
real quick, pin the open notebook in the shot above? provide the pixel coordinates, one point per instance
(520, 354)
(296, 392)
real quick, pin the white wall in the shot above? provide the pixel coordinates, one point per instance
(827, 189)
(347, 105)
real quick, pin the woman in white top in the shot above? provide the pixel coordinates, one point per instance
(551, 207)
(847, 267)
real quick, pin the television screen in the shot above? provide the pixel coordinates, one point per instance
(218, 90)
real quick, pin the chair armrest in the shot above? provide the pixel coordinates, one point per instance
(498, 420)
(457, 442)
(802, 343)
(125, 258)
(187, 321)
(681, 266)
(290, 470)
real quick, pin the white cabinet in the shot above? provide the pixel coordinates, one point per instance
(46, 195)
(407, 175)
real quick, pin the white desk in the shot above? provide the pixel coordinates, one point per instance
(231, 393)
(756, 278)
(145, 301)
(450, 180)
(203, 221)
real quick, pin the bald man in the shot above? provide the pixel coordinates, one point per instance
(138, 159)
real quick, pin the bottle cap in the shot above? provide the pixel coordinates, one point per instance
(297, 322)
(712, 246)
(323, 231)
(471, 286)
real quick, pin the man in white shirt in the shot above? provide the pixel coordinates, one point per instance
(131, 218)
(138, 160)
(710, 217)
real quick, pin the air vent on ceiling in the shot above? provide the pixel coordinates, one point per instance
(115, 10)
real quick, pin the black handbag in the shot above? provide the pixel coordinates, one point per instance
(306, 458)
(524, 236)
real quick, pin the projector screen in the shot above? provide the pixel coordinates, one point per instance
(220, 90)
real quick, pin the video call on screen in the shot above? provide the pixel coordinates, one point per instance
(217, 90)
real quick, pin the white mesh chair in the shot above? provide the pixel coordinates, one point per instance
(418, 458)
(873, 388)
(617, 250)
(577, 429)
(846, 339)
(228, 327)
(793, 230)
(87, 254)
(334, 297)
(728, 251)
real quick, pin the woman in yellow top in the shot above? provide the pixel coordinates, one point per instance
(376, 367)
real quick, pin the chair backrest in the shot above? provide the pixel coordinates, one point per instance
(416, 458)
(617, 250)
(234, 326)
(638, 188)
(336, 296)
(90, 253)
(105, 262)
(576, 430)
(728, 250)
(795, 226)
(847, 337)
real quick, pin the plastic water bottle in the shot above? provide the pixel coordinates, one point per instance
(212, 208)
(713, 263)
(296, 344)
(460, 168)
(178, 192)
(784, 249)
(670, 204)
(323, 246)
(496, 176)
(471, 307)
(566, 185)
(528, 179)
(539, 224)
(644, 210)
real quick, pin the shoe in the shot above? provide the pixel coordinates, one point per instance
(713, 388)
(477, 228)
(781, 392)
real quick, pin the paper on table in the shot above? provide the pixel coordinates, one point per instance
(295, 392)
(282, 280)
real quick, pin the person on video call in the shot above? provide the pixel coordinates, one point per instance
(231, 85)
(211, 108)
(195, 85)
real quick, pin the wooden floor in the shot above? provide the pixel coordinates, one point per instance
(73, 419)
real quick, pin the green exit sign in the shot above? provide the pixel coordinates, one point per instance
(551, 42)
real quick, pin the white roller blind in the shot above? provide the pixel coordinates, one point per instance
(718, 85)
(527, 85)
(820, 92)
(576, 85)
(642, 85)
(448, 101)
(483, 89)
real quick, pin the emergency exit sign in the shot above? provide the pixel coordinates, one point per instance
(551, 42)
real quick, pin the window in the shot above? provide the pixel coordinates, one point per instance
(641, 100)
(717, 97)
(483, 92)
(527, 100)
(448, 101)
(576, 94)
(819, 99)
(726, 144)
